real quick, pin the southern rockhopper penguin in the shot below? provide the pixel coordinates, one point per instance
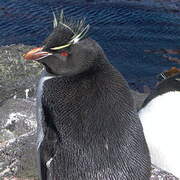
(88, 128)
(160, 116)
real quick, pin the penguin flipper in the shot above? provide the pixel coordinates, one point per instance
(41, 129)
(41, 142)
(46, 152)
(46, 144)
(42, 168)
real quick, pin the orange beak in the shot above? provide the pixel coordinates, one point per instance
(36, 54)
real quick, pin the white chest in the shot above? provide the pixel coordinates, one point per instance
(161, 122)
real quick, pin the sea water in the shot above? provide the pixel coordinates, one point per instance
(126, 31)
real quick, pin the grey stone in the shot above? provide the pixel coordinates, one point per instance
(159, 174)
(5, 135)
(17, 147)
(18, 116)
(16, 74)
(17, 156)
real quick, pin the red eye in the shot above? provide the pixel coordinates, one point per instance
(64, 53)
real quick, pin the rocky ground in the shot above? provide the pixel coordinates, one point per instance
(17, 77)
(17, 112)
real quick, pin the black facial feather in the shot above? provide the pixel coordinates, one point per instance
(59, 37)
(66, 32)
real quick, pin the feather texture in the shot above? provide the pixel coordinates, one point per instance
(77, 27)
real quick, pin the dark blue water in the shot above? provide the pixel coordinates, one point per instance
(124, 31)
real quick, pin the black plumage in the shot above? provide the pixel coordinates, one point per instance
(171, 83)
(88, 127)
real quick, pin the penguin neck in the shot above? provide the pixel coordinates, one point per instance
(101, 65)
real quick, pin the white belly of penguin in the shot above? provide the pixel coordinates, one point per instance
(161, 122)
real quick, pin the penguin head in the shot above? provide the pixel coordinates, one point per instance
(167, 85)
(66, 51)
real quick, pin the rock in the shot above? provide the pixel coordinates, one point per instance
(18, 137)
(17, 156)
(159, 174)
(16, 74)
(18, 116)
(5, 135)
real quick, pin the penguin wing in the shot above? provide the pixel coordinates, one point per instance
(41, 141)
(46, 137)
